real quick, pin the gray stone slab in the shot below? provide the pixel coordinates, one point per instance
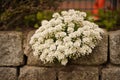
(11, 53)
(7, 73)
(37, 73)
(115, 47)
(112, 73)
(79, 73)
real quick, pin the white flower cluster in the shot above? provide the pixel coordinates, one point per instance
(66, 36)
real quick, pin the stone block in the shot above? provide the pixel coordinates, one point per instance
(37, 73)
(112, 73)
(115, 47)
(7, 73)
(79, 73)
(11, 53)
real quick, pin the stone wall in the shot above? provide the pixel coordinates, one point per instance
(18, 63)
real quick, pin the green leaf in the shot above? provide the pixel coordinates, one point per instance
(36, 26)
(39, 16)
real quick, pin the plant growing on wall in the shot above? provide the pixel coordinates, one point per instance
(67, 35)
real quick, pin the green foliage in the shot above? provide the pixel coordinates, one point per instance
(35, 19)
(25, 13)
(108, 19)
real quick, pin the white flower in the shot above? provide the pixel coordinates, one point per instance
(67, 19)
(70, 29)
(44, 22)
(53, 47)
(46, 45)
(66, 39)
(96, 35)
(40, 39)
(58, 27)
(56, 53)
(44, 54)
(64, 13)
(86, 33)
(68, 52)
(64, 61)
(50, 57)
(35, 53)
(89, 50)
(77, 43)
(92, 45)
(77, 33)
(41, 29)
(56, 15)
(61, 56)
(83, 14)
(73, 50)
(86, 23)
(52, 22)
(58, 21)
(72, 35)
(83, 50)
(60, 35)
(87, 40)
(60, 47)
(58, 42)
(71, 12)
(69, 44)
(49, 41)
(99, 30)
(71, 24)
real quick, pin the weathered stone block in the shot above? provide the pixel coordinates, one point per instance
(99, 55)
(81, 73)
(37, 73)
(112, 73)
(115, 47)
(11, 53)
(7, 73)
(26, 45)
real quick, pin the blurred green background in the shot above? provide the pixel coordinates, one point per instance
(25, 14)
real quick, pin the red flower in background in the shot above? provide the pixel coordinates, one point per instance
(99, 4)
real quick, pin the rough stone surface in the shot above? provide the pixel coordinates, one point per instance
(11, 48)
(81, 73)
(37, 73)
(7, 73)
(115, 47)
(26, 45)
(112, 73)
(99, 55)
